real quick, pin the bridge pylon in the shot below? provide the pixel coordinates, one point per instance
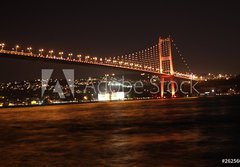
(166, 64)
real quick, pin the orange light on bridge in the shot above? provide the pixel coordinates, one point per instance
(2, 45)
(79, 56)
(70, 55)
(16, 47)
(41, 51)
(29, 49)
(61, 54)
(51, 52)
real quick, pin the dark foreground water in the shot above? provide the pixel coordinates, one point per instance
(180, 132)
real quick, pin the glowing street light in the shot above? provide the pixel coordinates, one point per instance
(95, 59)
(86, 58)
(79, 57)
(2, 46)
(16, 47)
(29, 49)
(41, 51)
(51, 52)
(70, 55)
(61, 54)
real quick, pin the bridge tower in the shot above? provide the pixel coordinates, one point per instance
(166, 64)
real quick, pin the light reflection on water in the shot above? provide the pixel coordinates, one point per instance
(180, 132)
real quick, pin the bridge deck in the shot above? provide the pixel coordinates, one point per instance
(68, 60)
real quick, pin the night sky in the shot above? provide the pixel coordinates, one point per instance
(207, 33)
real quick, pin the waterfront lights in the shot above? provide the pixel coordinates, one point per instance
(16, 47)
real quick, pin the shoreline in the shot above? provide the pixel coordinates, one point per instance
(126, 100)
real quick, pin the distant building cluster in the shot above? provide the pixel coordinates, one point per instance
(109, 87)
(211, 76)
(219, 85)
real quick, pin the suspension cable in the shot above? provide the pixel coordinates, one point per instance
(183, 59)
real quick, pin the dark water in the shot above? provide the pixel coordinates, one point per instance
(180, 132)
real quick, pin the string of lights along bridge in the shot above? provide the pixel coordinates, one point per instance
(156, 59)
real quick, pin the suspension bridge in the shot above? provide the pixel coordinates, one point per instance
(157, 59)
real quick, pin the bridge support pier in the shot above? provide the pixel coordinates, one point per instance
(172, 88)
(171, 81)
(162, 87)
